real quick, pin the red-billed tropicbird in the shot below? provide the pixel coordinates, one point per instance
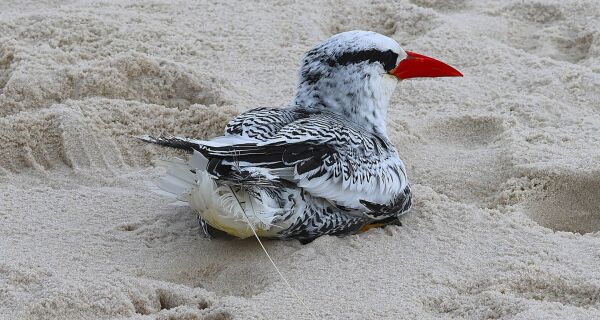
(322, 165)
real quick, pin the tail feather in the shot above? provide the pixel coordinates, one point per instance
(178, 181)
(181, 170)
(198, 161)
(227, 142)
(174, 142)
(181, 176)
(155, 188)
(222, 207)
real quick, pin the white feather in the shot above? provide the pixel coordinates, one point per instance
(198, 161)
(220, 207)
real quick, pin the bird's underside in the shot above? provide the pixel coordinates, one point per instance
(297, 174)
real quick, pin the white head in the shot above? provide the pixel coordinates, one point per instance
(354, 74)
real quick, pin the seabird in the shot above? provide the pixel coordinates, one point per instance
(323, 165)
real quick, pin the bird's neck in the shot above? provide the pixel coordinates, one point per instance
(363, 100)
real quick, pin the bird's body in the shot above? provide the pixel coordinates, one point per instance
(322, 165)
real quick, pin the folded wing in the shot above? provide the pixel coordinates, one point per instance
(321, 153)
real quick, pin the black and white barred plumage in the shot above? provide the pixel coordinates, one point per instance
(322, 165)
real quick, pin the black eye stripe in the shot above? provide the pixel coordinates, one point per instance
(386, 58)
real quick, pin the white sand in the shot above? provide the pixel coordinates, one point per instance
(505, 162)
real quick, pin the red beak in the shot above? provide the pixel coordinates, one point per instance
(419, 66)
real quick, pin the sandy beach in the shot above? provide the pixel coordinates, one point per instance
(504, 162)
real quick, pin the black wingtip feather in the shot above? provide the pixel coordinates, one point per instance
(172, 142)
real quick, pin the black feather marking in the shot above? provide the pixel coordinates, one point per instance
(386, 58)
(172, 142)
(308, 165)
(311, 78)
(396, 207)
(217, 169)
(295, 153)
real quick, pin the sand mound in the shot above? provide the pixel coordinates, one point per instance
(504, 162)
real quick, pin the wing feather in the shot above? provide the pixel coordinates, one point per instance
(326, 156)
(318, 151)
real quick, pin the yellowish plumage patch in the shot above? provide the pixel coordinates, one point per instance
(370, 226)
